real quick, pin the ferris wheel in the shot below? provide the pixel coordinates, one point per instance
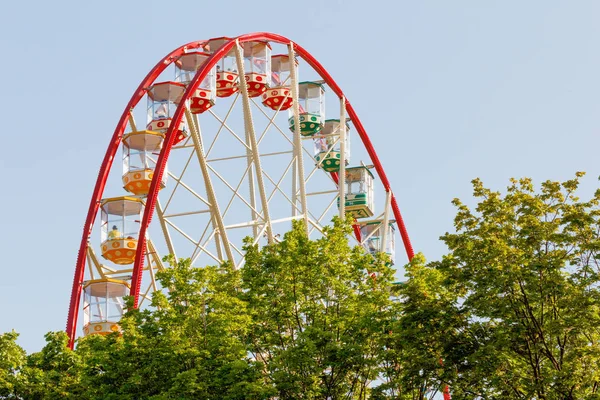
(208, 161)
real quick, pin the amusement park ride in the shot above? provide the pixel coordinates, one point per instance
(250, 148)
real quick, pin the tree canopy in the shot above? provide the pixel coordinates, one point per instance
(511, 311)
(302, 319)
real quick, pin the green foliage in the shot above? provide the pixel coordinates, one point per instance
(189, 345)
(512, 311)
(420, 332)
(53, 373)
(302, 319)
(318, 309)
(12, 359)
(513, 308)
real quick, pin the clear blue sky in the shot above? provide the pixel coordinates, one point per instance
(448, 91)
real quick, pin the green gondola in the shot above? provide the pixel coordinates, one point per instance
(310, 124)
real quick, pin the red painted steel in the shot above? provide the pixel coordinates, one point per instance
(447, 392)
(164, 155)
(113, 146)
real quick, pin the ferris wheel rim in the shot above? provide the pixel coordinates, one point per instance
(103, 172)
(152, 196)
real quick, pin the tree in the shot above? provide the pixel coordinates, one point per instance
(513, 309)
(188, 345)
(52, 373)
(12, 359)
(303, 319)
(423, 321)
(319, 311)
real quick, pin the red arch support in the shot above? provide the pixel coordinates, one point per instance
(164, 155)
(113, 146)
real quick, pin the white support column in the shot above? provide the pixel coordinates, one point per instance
(386, 220)
(155, 256)
(297, 137)
(165, 230)
(251, 194)
(251, 184)
(252, 143)
(212, 198)
(342, 174)
(294, 185)
(217, 238)
(132, 122)
(212, 218)
(93, 260)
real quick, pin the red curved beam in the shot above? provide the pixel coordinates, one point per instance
(178, 115)
(101, 182)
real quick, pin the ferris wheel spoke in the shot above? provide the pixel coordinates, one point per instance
(275, 153)
(212, 234)
(195, 243)
(236, 191)
(189, 189)
(278, 189)
(187, 213)
(251, 173)
(315, 226)
(223, 125)
(312, 173)
(271, 124)
(93, 261)
(278, 184)
(321, 193)
(261, 232)
(313, 218)
(144, 296)
(184, 146)
(155, 257)
(131, 121)
(91, 269)
(165, 229)
(228, 129)
(241, 253)
(198, 249)
(178, 179)
(319, 220)
(233, 190)
(294, 162)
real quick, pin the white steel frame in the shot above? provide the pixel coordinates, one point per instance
(245, 203)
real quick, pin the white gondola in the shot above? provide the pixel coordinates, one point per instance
(103, 305)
